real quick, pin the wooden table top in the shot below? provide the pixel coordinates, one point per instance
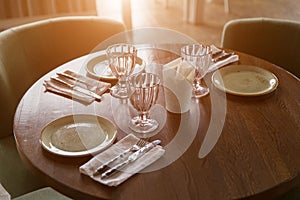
(256, 156)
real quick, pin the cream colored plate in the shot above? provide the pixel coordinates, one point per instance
(98, 67)
(245, 80)
(78, 135)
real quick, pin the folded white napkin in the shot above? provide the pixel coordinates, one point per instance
(98, 87)
(119, 177)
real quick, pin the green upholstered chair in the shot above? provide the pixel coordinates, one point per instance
(275, 40)
(14, 176)
(46, 193)
(27, 52)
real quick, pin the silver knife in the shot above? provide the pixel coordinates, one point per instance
(133, 157)
(77, 88)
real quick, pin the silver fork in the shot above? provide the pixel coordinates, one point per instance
(139, 144)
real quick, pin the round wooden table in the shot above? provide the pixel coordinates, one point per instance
(256, 155)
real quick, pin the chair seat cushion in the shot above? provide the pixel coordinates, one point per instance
(46, 193)
(14, 176)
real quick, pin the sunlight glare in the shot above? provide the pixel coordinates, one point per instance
(109, 8)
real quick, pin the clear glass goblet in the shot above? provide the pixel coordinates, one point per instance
(144, 89)
(121, 60)
(200, 57)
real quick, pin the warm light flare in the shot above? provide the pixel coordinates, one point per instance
(110, 8)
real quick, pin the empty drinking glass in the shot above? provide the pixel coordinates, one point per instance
(200, 57)
(121, 59)
(144, 89)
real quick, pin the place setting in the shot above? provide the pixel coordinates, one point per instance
(195, 61)
(183, 77)
(118, 62)
(112, 162)
(227, 75)
(85, 135)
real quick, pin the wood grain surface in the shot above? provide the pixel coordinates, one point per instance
(256, 156)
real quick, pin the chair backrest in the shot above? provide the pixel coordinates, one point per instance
(29, 51)
(275, 40)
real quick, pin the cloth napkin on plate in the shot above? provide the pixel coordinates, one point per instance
(186, 70)
(73, 78)
(119, 177)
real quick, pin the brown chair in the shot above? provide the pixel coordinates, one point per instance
(275, 40)
(28, 52)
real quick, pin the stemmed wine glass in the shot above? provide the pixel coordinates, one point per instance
(144, 89)
(200, 57)
(121, 59)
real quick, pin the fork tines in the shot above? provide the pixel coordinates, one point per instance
(135, 147)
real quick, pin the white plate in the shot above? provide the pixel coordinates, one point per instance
(98, 67)
(244, 80)
(78, 135)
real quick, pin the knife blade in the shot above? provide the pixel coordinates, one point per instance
(77, 88)
(133, 157)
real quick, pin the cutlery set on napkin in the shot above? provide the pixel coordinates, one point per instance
(76, 86)
(122, 160)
